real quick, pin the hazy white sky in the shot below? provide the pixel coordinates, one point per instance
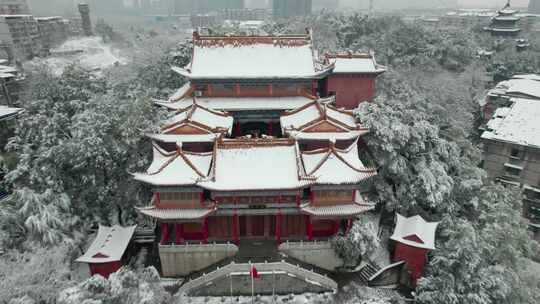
(491, 3)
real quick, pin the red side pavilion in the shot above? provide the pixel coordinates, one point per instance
(414, 239)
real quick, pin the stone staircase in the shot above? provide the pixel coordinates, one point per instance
(367, 272)
(299, 279)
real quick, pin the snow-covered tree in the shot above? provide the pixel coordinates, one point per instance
(35, 274)
(122, 287)
(361, 241)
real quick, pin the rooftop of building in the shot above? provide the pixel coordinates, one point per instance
(415, 231)
(253, 57)
(8, 112)
(348, 63)
(517, 124)
(247, 163)
(521, 86)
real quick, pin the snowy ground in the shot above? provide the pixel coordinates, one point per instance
(96, 55)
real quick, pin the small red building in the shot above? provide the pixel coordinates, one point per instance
(414, 239)
(352, 80)
(104, 256)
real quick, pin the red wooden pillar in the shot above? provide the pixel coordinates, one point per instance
(235, 228)
(201, 199)
(354, 196)
(349, 225)
(205, 230)
(309, 228)
(237, 129)
(336, 227)
(270, 128)
(311, 196)
(178, 233)
(158, 199)
(278, 227)
(164, 234)
(298, 200)
(314, 88)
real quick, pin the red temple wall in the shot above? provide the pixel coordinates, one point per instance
(104, 269)
(255, 90)
(415, 258)
(351, 89)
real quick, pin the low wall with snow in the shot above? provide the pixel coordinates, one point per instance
(320, 254)
(181, 260)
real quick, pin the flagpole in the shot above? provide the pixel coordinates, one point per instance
(230, 278)
(273, 286)
(252, 285)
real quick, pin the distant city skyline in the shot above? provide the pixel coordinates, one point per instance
(491, 3)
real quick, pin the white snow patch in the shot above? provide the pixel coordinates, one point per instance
(96, 55)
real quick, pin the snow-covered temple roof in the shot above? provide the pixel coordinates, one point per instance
(349, 63)
(535, 77)
(109, 244)
(253, 57)
(183, 138)
(255, 164)
(525, 88)
(415, 231)
(321, 121)
(176, 214)
(517, 124)
(201, 118)
(334, 166)
(175, 168)
(7, 112)
(239, 103)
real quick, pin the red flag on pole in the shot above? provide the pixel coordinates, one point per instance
(254, 272)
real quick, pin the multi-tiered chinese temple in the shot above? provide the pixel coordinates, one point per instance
(260, 145)
(505, 23)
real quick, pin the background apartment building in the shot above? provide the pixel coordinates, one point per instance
(289, 8)
(512, 152)
(14, 7)
(22, 33)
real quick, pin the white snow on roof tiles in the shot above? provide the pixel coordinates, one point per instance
(203, 116)
(211, 119)
(355, 65)
(175, 214)
(255, 168)
(180, 92)
(329, 168)
(258, 60)
(527, 76)
(188, 138)
(301, 118)
(415, 226)
(173, 170)
(517, 124)
(241, 103)
(109, 244)
(338, 210)
(517, 88)
(329, 136)
(6, 112)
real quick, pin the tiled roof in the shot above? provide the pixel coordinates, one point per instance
(176, 214)
(109, 244)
